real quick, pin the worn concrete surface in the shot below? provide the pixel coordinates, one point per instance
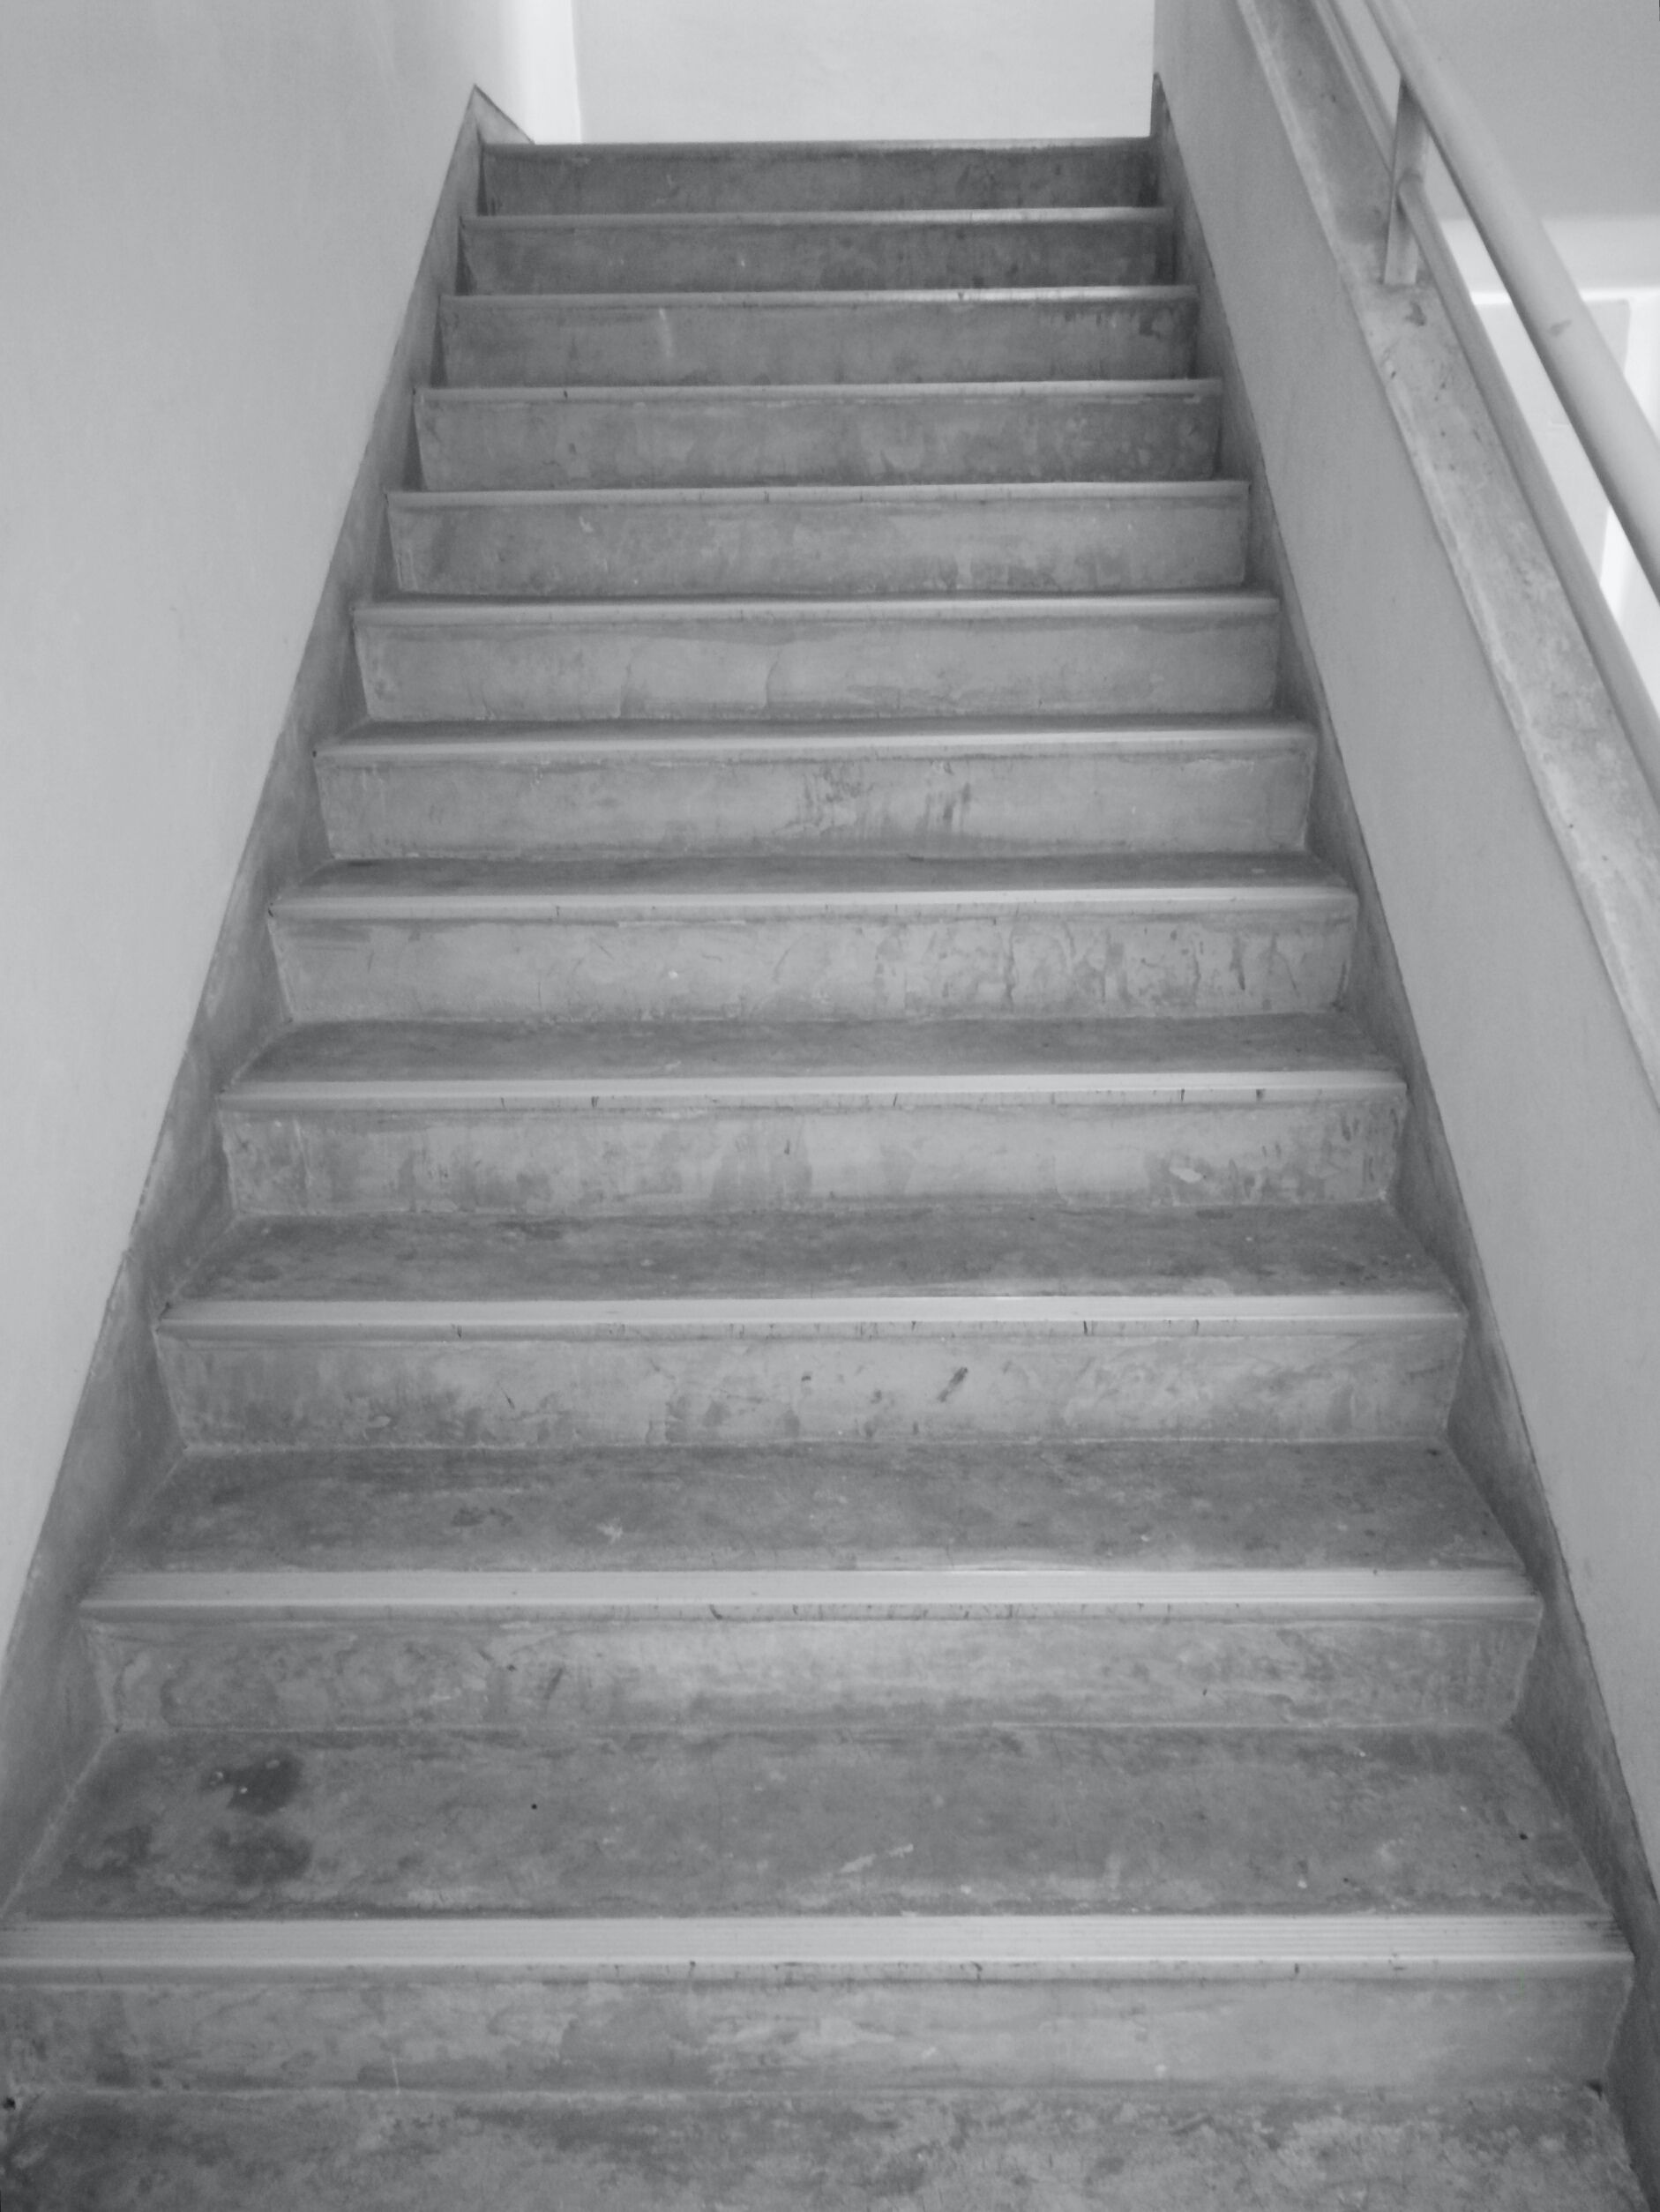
(664, 437)
(795, 338)
(873, 1820)
(817, 252)
(394, 791)
(990, 1250)
(289, 1660)
(647, 179)
(1012, 1320)
(581, 661)
(556, 1157)
(1176, 1506)
(346, 1118)
(1422, 2032)
(1538, 2151)
(875, 940)
(1170, 1058)
(820, 538)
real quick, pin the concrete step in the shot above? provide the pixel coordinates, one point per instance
(1536, 2147)
(1167, 1505)
(907, 1817)
(865, 1909)
(463, 1647)
(1190, 653)
(818, 251)
(1262, 1585)
(814, 939)
(826, 538)
(578, 180)
(467, 1116)
(459, 791)
(818, 337)
(1001, 1319)
(655, 437)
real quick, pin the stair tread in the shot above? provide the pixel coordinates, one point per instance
(771, 739)
(793, 881)
(1177, 1506)
(1155, 292)
(713, 221)
(1537, 2148)
(923, 391)
(407, 1059)
(872, 1820)
(1209, 491)
(981, 1250)
(964, 607)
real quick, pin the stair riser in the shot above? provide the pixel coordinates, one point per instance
(1432, 2035)
(763, 255)
(709, 1157)
(528, 1673)
(812, 967)
(683, 548)
(1138, 658)
(561, 799)
(538, 442)
(985, 338)
(794, 1381)
(647, 180)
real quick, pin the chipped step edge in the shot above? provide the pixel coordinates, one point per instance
(207, 1321)
(927, 1947)
(1500, 1594)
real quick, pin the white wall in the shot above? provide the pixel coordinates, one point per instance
(213, 210)
(883, 69)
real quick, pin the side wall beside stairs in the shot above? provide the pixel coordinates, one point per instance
(123, 1434)
(1422, 799)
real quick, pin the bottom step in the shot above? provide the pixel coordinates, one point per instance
(1375, 2001)
(1529, 2150)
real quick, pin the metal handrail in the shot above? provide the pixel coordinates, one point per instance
(1618, 441)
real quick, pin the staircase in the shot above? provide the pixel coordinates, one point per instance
(816, 1561)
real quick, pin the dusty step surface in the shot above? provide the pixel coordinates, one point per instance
(822, 539)
(804, 937)
(633, 179)
(816, 250)
(1537, 2150)
(818, 337)
(443, 1117)
(1176, 1507)
(1190, 653)
(869, 1821)
(1010, 1319)
(658, 436)
(1362, 1587)
(994, 1250)
(609, 1651)
(688, 176)
(456, 790)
